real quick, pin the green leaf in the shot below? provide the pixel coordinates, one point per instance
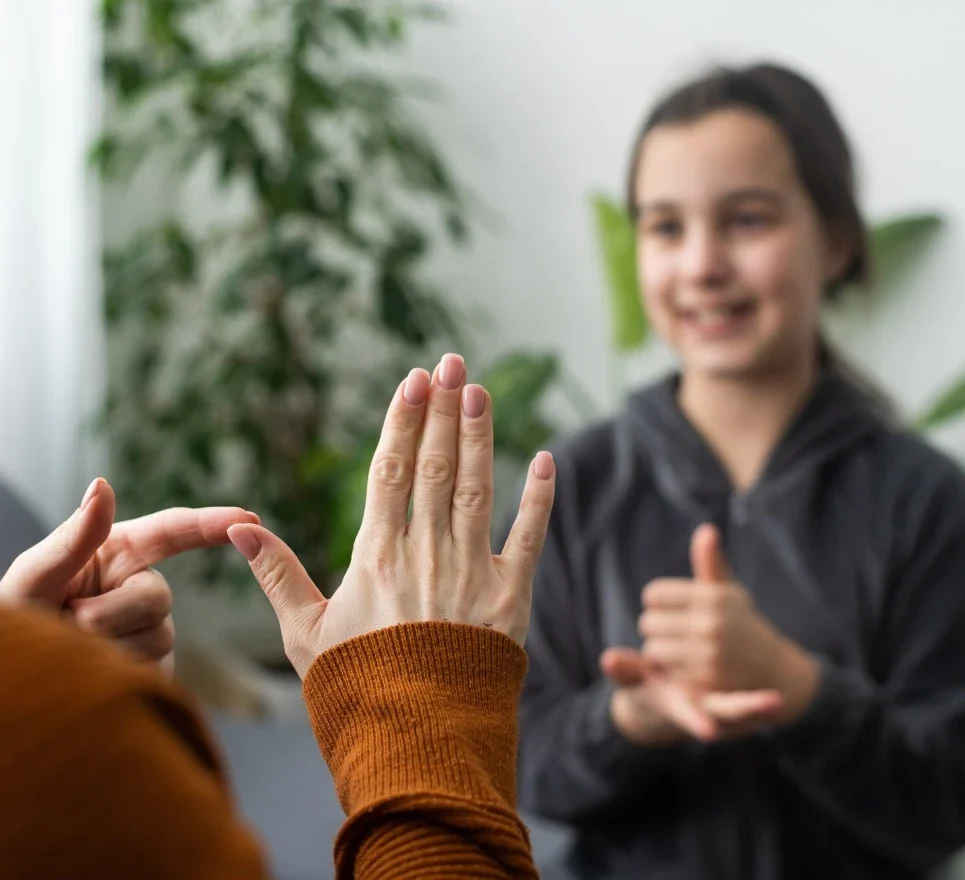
(310, 92)
(618, 246)
(127, 73)
(949, 405)
(517, 384)
(111, 13)
(413, 315)
(397, 310)
(237, 145)
(395, 27)
(182, 256)
(898, 240)
(349, 478)
(421, 167)
(296, 265)
(356, 22)
(457, 227)
(102, 153)
(408, 245)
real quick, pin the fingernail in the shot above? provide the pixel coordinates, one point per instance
(543, 465)
(245, 541)
(451, 370)
(473, 401)
(90, 493)
(255, 515)
(416, 388)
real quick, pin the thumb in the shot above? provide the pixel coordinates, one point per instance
(625, 667)
(707, 556)
(282, 577)
(43, 572)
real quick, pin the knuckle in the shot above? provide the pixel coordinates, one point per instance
(165, 638)
(91, 617)
(539, 499)
(509, 610)
(157, 598)
(391, 470)
(472, 497)
(530, 541)
(435, 468)
(380, 564)
(475, 438)
(272, 580)
(62, 539)
(445, 405)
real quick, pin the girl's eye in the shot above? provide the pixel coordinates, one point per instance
(664, 228)
(750, 220)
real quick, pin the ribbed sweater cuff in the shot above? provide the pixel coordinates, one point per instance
(421, 707)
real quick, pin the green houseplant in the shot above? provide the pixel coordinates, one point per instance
(252, 355)
(895, 242)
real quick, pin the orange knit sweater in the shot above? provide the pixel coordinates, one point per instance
(107, 770)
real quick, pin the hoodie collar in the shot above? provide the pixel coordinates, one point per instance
(834, 418)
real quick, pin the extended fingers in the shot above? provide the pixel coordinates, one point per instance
(438, 453)
(522, 549)
(737, 706)
(393, 465)
(472, 497)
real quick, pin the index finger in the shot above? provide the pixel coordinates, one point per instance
(668, 594)
(148, 540)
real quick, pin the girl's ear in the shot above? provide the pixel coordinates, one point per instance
(839, 252)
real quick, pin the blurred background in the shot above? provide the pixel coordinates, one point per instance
(229, 227)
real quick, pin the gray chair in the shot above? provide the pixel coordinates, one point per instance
(20, 527)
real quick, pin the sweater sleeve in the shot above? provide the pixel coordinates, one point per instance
(884, 755)
(107, 770)
(418, 726)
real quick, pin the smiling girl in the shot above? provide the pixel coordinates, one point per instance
(747, 656)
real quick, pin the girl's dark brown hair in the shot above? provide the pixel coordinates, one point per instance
(817, 142)
(822, 156)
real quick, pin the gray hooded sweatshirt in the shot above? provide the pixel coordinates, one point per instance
(853, 544)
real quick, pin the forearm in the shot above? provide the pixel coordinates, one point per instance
(576, 763)
(891, 774)
(418, 726)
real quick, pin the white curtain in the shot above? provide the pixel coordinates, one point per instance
(51, 340)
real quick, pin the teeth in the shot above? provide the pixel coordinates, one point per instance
(713, 316)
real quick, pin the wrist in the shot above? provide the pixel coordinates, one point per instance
(797, 678)
(640, 723)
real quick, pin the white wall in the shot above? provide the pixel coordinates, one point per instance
(543, 97)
